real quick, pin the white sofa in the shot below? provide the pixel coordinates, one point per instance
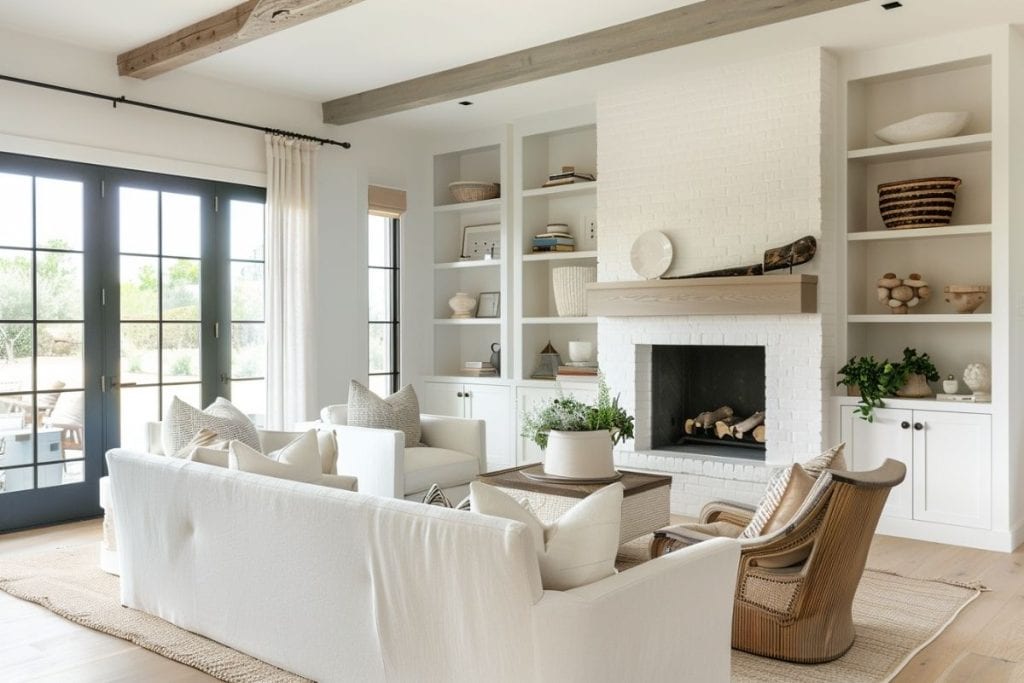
(453, 455)
(342, 586)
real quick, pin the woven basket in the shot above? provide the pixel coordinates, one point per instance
(920, 203)
(570, 286)
(473, 191)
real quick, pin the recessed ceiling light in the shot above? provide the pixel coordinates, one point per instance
(465, 103)
(892, 5)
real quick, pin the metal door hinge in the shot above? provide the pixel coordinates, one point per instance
(216, 203)
(103, 189)
(103, 384)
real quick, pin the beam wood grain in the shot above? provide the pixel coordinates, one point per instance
(680, 26)
(233, 27)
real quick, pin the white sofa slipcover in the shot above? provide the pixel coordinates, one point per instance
(341, 586)
(453, 454)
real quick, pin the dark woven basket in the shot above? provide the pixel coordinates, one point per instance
(920, 203)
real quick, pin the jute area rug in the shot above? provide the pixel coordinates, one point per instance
(895, 617)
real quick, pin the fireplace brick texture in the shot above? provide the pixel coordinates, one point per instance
(727, 162)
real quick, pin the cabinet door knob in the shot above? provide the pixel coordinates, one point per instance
(918, 426)
(460, 394)
(905, 424)
(467, 394)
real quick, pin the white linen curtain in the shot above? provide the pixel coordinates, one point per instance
(290, 281)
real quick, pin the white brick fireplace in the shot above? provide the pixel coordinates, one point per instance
(727, 162)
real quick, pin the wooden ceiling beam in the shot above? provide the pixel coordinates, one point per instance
(673, 28)
(239, 25)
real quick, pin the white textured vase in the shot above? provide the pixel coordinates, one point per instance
(978, 377)
(462, 305)
(570, 287)
(579, 455)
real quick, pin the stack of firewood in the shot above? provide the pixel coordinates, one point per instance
(724, 424)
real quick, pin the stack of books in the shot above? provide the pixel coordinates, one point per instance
(554, 240)
(569, 176)
(478, 368)
(578, 370)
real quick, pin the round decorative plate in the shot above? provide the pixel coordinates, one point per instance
(651, 255)
(537, 474)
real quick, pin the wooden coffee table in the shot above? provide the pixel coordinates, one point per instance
(645, 504)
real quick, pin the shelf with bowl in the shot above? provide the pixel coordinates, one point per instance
(467, 321)
(466, 207)
(584, 187)
(961, 144)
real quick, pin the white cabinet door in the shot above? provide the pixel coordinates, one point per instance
(527, 399)
(868, 444)
(953, 468)
(492, 404)
(443, 398)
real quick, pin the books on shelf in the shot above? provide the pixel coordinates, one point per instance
(478, 368)
(556, 247)
(554, 241)
(578, 371)
(568, 176)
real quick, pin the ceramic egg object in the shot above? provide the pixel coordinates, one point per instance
(900, 295)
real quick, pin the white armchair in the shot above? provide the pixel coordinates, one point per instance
(452, 455)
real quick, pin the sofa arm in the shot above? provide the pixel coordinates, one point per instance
(682, 604)
(375, 457)
(456, 434)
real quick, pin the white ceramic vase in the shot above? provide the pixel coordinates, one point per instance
(462, 305)
(580, 351)
(570, 288)
(579, 455)
(978, 377)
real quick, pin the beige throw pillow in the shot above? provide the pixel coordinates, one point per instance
(400, 411)
(205, 438)
(182, 422)
(298, 461)
(578, 548)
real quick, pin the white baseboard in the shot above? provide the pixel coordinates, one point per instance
(983, 539)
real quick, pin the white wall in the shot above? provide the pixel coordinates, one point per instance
(51, 124)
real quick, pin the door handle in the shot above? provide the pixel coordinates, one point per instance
(905, 424)
(918, 426)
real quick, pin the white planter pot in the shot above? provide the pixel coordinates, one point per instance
(580, 455)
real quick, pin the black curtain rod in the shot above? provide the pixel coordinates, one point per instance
(170, 110)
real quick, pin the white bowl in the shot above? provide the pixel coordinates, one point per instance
(937, 124)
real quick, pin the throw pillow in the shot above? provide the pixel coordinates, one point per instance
(436, 496)
(182, 422)
(578, 548)
(206, 438)
(800, 484)
(298, 461)
(832, 459)
(209, 456)
(400, 410)
(328, 446)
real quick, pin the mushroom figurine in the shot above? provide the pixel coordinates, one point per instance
(901, 295)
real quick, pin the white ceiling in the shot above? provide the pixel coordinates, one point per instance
(378, 42)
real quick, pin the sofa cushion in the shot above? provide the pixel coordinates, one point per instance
(182, 422)
(399, 411)
(446, 468)
(209, 456)
(299, 461)
(578, 548)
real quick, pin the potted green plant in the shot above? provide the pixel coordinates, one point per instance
(917, 370)
(577, 438)
(873, 379)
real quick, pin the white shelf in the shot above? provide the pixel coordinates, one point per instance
(919, 233)
(459, 265)
(572, 188)
(978, 142)
(560, 256)
(910, 318)
(485, 205)
(467, 321)
(556, 320)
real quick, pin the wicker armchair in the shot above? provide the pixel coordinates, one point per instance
(795, 587)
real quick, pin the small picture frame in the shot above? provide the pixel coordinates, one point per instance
(489, 305)
(481, 242)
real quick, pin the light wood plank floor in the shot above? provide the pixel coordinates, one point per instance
(984, 645)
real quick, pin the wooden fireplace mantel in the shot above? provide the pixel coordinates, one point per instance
(743, 295)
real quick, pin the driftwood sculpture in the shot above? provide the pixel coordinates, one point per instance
(777, 258)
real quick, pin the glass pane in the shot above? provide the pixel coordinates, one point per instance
(15, 357)
(380, 385)
(248, 350)
(250, 396)
(139, 353)
(181, 353)
(191, 394)
(16, 411)
(138, 406)
(140, 288)
(380, 348)
(247, 291)
(181, 289)
(16, 211)
(59, 286)
(58, 214)
(380, 294)
(62, 473)
(21, 479)
(16, 292)
(379, 241)
(63, 430)
(59, 363)
(139, 220)
(246, 230)
(181, 221)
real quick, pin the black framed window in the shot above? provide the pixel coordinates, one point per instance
(383, 280)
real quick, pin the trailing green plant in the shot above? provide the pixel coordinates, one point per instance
(877, 380)
(569, 414)
(918, 364)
